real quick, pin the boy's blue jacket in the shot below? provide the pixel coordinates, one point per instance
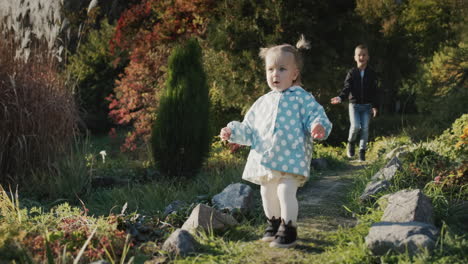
(277, 127)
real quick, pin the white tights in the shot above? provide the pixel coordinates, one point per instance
(279, 199)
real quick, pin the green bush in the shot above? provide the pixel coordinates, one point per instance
(419, 168)
(439, 85)
(383, 145)
(94, 69)
(446, 143)
(33, 235)
(180, 138)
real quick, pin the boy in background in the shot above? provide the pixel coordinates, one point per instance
(360, 87)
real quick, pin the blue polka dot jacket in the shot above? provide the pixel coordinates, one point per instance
(277, 127)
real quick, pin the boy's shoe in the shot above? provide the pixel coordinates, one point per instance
(362, 155)
(286, 236)
(271, 230)
(350, 150)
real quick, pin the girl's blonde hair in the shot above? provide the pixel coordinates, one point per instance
(302, 44)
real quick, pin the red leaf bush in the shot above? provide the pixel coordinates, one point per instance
(149, 31)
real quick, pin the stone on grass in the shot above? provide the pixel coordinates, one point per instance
(413, 237)
(206, 218)
(174, 207)
(408, 206)
(180, 242)
(373, 188)
(319, 164)
(389, 171)
(236, 196)
(398, 152)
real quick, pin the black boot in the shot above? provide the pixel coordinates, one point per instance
(286, 236)
(272, 228)
(362, 155)
(350, 150)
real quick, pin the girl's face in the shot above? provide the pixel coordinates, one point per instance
(281, 70)
(361, 56)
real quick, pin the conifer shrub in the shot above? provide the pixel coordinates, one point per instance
(180, 138)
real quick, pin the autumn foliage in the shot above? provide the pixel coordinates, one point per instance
(148, 31)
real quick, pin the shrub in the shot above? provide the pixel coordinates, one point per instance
(454, 180)
(35, 236)
(452, 142)
(37, 112)
(180, 138)
(94, 69)
(420, 167)
(440, 84)
(148, 31)
(66, 177)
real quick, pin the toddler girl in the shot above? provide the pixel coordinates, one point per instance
(280, 127)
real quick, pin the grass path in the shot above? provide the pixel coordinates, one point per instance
(321, 212)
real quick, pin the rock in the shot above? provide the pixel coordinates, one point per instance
(206, 218)
(372, 189)
(393, 162)
(389, 171)
(234, 197)
(174, 207)
(393, 152)
(385, 174)
(386, 237)
(180, 242)
(399, 152)
(408, 206)
(319, 164)
(402, 154)
(140, 229)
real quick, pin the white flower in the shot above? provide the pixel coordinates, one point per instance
(103, 155)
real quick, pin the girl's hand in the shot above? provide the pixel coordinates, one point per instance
(336, 100)
(318, 132)
(225, 133)
(374, 112)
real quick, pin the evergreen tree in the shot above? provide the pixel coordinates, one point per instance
(180, 138)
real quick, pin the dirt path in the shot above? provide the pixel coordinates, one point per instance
(321, 200)
(321, 212)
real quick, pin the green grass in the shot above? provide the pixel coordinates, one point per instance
(151, 198)
(147, 193)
